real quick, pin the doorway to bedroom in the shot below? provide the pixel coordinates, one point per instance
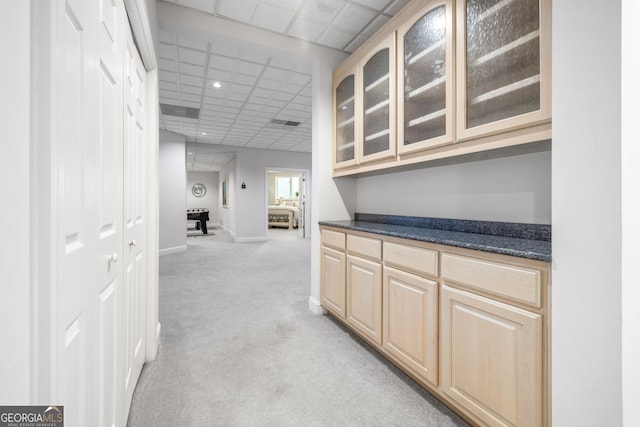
(286, 209)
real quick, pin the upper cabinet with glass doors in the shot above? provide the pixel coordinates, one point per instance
(344, 135)
(425, 79)
(377, 87)
(504, 70)
(472, 75)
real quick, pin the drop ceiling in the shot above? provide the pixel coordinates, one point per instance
(261, 52)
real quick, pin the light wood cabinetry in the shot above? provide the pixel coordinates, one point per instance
(425, 79)
(491, 358)
(504, 65)
(332, 268)
(364, 297)
(488, 87)
(410, 319)
(469, 326)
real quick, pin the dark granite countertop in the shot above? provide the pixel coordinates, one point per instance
(530, 241)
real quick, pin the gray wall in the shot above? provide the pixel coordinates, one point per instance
(251, 203)
(210, 199)
(514, 189)
(172, 172)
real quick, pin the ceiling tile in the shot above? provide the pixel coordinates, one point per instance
(323, 11)
(239, 10)
(167, 64)
(235, 96)
(244, 79)
(272, 18)
(264, 93)
(290, 88)
(274, 74)
(191, 56)
(193, 70)
(203, 5)
(167, 86)
(167, 51)
(268, 84)
(237, 88)
(222, 63)
(281, 63)
(191, 80)
(285, 4)
(306, 30)
(249, 68)
(335, 38)
(167, 76)
(193, 90)
(218, 76)
(354, 17)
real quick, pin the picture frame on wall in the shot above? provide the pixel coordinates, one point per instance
(225, 193)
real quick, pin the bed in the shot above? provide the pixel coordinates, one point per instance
(286, 214)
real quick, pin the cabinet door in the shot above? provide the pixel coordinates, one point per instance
(410, 321)
(503, 56)
(491, 358)
(364, 297)
(332, 279)
(344, 120)
(425, 79)
(377, 90)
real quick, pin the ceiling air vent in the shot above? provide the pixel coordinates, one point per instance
(180, 111)
(282, 124)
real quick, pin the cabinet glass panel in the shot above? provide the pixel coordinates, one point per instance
(345, 120)
(376, 103)
(424, 78)
(503, 59)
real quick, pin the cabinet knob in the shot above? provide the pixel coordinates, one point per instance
(113, 257)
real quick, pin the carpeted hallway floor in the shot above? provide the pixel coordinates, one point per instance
(240, 347)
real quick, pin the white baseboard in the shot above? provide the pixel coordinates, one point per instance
(250, 239)
(174, 250)
(316, 307)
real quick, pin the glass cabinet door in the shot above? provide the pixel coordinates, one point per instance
(378, 103)
(345, 122)
(504, 72)
(425, 81)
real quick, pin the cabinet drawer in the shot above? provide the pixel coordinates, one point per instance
(513, 282)
(411, 258)
(364, 246)
(334, 239)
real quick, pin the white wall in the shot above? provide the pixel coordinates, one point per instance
(172, 170)
(630, 213)
(331, 199)
(586, 291)
(210, 200)
(512, 189)
(16, 191)
(251, 203)
(227, 215)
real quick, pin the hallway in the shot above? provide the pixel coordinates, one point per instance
(240, 347)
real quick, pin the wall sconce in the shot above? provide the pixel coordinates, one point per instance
(243, 186)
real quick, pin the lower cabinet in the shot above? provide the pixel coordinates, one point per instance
(471, 327)
(491, 358)
(410, 321)
(332, 267)
(364, 297)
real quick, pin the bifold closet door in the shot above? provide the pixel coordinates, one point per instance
(98, 272)
(135, 220)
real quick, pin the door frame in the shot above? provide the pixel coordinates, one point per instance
(307, 192)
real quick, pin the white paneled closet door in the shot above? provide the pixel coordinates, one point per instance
(135, 222)
(98, 306)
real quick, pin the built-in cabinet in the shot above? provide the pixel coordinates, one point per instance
(471, 76)
(470, 326)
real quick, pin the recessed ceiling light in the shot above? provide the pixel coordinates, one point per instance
(190, 152)
(204, 133)
(217, 85)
